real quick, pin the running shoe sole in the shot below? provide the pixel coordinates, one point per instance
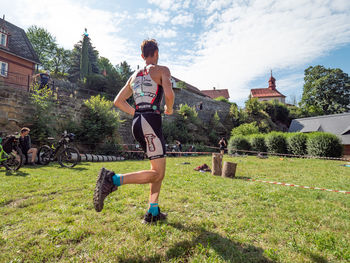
(98, 202)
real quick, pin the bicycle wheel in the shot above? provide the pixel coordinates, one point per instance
(44, 155)
(69, 157)
(14, 161)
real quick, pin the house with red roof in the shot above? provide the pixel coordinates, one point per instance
(270, 93)
(17, 56)
(215, 93)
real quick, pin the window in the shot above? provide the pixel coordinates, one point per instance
(3, 69)
(3, 39)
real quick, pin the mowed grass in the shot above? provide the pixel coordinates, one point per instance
(47, 215)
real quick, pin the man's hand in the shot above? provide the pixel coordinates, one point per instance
(168, 111)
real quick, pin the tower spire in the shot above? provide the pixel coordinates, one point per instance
(272, 84)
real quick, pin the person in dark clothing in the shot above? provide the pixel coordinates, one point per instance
(147, 87)
(222, 144)
(179, 146)
(26, 145)
(44, 79)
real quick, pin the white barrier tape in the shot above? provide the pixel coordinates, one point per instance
(300, 186)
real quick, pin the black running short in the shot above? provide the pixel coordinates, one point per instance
(147, 130)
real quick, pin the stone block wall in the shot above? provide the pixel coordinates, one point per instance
(15, 107)
(210, 106)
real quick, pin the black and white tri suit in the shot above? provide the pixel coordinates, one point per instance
(147, 121)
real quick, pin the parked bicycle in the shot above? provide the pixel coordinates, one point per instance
(135, 152)
(66, 155)
(11, 156)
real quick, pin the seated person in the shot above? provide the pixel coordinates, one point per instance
(26, 145)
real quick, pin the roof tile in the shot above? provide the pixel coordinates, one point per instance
(19, 44)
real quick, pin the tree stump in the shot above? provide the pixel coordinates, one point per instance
(229, 170)
(216, 164)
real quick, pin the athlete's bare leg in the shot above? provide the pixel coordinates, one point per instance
(158, 165)
(154, 176)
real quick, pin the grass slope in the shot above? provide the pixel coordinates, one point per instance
(46, 214)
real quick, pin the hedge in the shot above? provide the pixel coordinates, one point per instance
(276, 142)
(314, 144)
(238, 143)
(324, 145)
(257, 143)
(296, 143)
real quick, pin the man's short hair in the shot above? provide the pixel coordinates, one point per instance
(24, 129)
(148, 47)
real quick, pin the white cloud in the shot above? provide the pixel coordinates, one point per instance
(185, 19)
(66, 20)
(162, 33)
(170, 44)
(246, 41)
(154, 16)
(169, 4)
(291, 83)
(239, 40)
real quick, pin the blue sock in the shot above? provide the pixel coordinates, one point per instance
(153, 209)
(118, 179)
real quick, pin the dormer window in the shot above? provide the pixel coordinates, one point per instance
(4, 34)
(3, 39)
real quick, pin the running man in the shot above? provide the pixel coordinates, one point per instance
(147, 86)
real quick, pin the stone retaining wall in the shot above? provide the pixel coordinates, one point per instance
(15, 107)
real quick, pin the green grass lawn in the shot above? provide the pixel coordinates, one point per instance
(47, 215)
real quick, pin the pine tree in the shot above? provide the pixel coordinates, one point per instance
(84, 57)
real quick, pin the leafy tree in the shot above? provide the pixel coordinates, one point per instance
(105, 66)
(326, 91)
(125, 71)
(253, 106)
(254, 112)
(188, 113)
(222, 98)
(114, 81)
(60, 61)
(43, 43)
(215, 129)
(245, 129)
(277, 111)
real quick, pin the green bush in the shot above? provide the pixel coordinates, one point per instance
(245, 129)
(296, 143)
(276, 142)
(42, 119)
(188, 113)
(222, 98)
(98, 121)
(324, 145)
(238, 143)
(257, 143)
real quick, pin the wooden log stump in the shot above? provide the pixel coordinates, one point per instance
(216, 164)
(229, 170)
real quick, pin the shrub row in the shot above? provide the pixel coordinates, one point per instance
(313, 144)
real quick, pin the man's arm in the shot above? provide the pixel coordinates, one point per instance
(123, 95)
(168, 91)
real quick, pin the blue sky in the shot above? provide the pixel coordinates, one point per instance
(231, 44)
